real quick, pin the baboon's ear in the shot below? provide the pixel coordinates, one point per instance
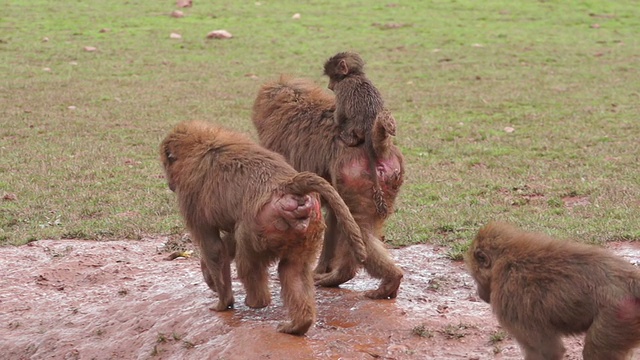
(482, 258)
(343, 69)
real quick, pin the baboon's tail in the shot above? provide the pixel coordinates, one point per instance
(383, 129)
(378, 196)
(377, 146)
(305, 182)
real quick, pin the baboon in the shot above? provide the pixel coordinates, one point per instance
(358, 105)
(267, 210)
(294, 117)
(540, 289)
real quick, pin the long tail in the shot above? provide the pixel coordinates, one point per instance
(378, 196)
(383, 129)
(305, 182)
(377, 146)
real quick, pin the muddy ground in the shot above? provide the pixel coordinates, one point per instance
(74, 299)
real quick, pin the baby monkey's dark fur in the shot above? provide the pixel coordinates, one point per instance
(358, 105)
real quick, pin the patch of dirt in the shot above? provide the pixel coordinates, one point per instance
(74, 299)
(573, 201)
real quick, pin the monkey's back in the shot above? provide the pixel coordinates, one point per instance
(287, 113)
(231, 178)
(562, 285)
(360, 101)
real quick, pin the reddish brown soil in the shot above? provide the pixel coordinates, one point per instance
(122, 300)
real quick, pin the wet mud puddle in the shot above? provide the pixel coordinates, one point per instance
(122, 300)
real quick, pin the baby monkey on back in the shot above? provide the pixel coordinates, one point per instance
(358, 106)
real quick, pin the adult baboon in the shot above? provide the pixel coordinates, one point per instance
(294, 117)
(540, 289)
(358, 105)
(269, 211)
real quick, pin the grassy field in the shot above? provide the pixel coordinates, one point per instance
(520, 111)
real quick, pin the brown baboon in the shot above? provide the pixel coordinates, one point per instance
(294, 117)
(268, 211)
(358, 105)
(540, 289)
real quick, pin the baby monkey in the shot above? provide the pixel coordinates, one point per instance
(358, 105)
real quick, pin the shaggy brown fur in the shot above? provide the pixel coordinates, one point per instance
(225, 182)
(540, 289)
(294, 117)
(358, 105)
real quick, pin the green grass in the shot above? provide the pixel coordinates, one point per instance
(454, 73)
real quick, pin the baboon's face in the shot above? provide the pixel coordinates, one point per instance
(169, 159)
(479, 266)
